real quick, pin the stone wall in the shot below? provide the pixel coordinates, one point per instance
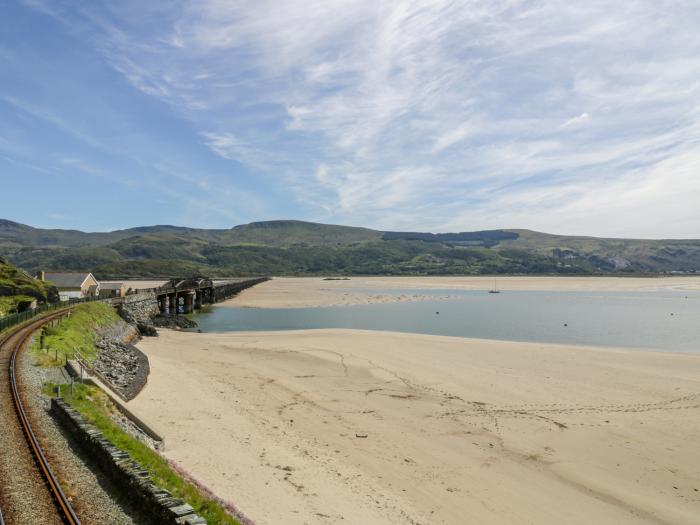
(123, 367)
(120, 364)
(139, 309)
(157, 504)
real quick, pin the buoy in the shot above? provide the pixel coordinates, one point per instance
(565, 324)
(437, 313)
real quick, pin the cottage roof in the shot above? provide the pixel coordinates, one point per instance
(66, 280)
(110, 285)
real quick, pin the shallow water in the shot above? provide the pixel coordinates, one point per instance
(661, 320)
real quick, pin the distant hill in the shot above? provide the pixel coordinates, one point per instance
(274, 233)
(288, 247)
(288, 233)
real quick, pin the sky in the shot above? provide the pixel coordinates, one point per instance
(436, 115)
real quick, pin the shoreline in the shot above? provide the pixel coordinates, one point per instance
(465, 340)
(387, 427)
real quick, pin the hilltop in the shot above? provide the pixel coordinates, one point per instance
(287, 247)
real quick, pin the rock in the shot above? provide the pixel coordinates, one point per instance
(120, 364)
(139, 308)
(147, 329)
(173, 321)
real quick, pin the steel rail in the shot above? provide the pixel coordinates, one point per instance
(66, 511)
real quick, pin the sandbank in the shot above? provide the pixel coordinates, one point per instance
(346, 426)
(304, 292)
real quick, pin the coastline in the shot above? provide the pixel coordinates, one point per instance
(379, 427)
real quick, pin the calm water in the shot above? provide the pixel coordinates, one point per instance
(655, 320)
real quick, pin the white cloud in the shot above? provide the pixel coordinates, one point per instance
(452, 137)
(229, 146)
(577, 121)
(322, 173)
(479, 113)
(225, 145)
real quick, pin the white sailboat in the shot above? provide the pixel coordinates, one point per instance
(495, 287)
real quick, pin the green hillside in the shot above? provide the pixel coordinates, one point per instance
(631, 255)
(303, 248)
(17, 289)
(287, 233)
(274, 233)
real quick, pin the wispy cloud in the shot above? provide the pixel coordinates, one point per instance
(477, 113)
(51, 118)
(230, 147)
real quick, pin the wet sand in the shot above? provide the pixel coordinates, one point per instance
(304, 292)
(345, 426)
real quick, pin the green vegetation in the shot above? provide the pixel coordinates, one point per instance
(97, 409)
(12, 303)
(18, 289)
(303, 248)
(76, 332)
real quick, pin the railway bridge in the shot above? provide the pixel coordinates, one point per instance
(186, 295)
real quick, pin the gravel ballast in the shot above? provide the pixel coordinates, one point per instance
(93, 495)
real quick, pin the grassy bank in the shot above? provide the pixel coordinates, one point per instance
(8, 304)
(17, 288)
(97, 409)
(76, 332)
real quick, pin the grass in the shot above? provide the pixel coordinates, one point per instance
(14, 281)
(96, 408)
(9, 304)
(76, 332)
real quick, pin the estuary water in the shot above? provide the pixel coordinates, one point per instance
(658, 320)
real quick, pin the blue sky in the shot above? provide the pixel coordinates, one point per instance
(436, 115)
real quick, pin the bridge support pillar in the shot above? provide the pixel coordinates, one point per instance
(172, 304)
(189, 302)
(163, 304)
(198, 297)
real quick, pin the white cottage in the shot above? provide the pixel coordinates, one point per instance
(72, 285)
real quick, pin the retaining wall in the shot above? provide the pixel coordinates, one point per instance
(157, 504)
(140, 308)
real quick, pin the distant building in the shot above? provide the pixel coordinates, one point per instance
(72, 285)
(112, 289)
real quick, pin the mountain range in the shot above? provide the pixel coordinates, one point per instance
(288, 247)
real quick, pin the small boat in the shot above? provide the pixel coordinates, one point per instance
(495, 287)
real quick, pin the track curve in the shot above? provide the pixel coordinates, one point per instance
(59, 509)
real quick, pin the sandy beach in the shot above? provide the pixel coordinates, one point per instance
(356, 427)
(305, 292)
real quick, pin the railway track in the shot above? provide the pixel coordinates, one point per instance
(29, 490)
